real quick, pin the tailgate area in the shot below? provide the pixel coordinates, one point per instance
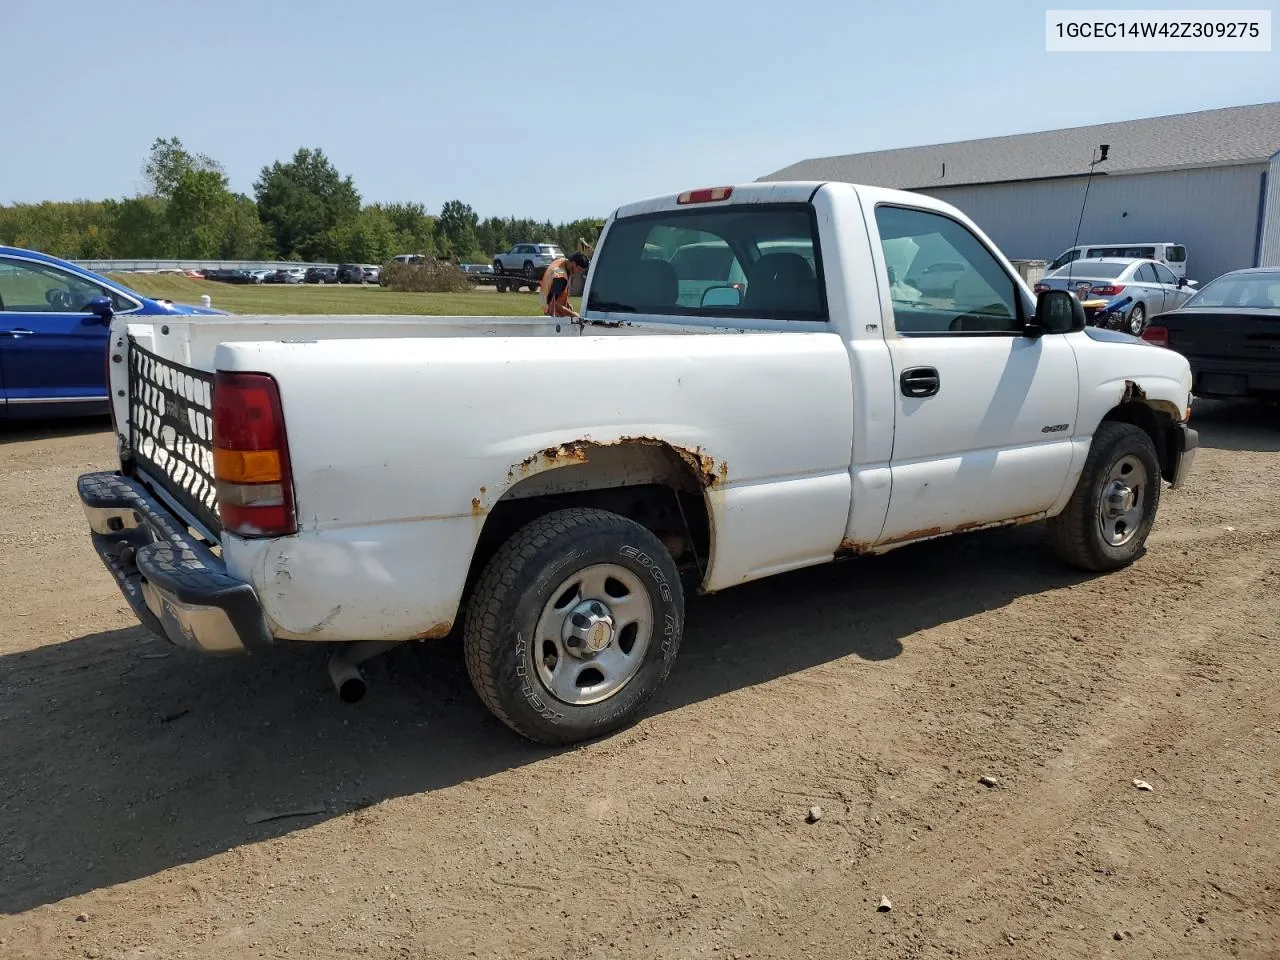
(171, 435)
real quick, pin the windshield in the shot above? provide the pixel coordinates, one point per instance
(1256, 290)
(760, 261)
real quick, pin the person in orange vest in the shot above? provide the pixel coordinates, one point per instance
(554, 288)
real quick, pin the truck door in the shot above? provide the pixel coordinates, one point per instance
(984, 413)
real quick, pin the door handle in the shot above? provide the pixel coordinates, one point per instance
(20, 332)
(920, 382)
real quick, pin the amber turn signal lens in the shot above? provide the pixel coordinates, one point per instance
(246, 466)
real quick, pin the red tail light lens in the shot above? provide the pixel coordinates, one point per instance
(1041, 287)
(707, 195)
(1107, 290)
(251, 466)
(1158, 336)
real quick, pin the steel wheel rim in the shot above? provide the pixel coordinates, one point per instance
(1123, 501)
(592, 635)
(1137, 320)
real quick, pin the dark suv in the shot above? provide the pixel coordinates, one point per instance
(321, 275)
(350, 273)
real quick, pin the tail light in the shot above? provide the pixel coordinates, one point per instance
(708, 195)
(1107, 290)
(251, 468)
(1157, 336)
(1041, 287)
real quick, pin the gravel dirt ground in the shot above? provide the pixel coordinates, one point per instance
(134, 777)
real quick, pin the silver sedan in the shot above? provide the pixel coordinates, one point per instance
(1135, 290)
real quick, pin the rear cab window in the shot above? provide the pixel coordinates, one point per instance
(748, 261)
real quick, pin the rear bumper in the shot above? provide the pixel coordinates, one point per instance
(1185, 444)
(175, 585)
(1223, 379)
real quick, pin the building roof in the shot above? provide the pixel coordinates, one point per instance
(1206, 138)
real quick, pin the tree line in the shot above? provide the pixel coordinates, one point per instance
(301, 209)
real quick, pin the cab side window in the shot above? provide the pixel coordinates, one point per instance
(1164, 274)
(943, 281)
(1146, 274)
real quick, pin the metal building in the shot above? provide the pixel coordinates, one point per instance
(1209, 180)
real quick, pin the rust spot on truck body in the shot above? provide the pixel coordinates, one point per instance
(854, 548)
(923, 534)
(707, 469)
(550, 457)
(437, 631)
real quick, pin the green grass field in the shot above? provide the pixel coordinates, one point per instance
(329, 299)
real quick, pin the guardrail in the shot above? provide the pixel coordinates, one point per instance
(178, 266)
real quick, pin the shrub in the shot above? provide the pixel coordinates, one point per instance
(430, 276)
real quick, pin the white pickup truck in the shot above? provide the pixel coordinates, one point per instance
(755, 386)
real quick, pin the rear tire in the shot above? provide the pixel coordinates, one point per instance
(529, 270)
(1106, 522)
(568, 581)
(497, 267)
(1137, 321)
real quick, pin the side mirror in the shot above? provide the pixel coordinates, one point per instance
(1057, 311)
(721, 297)
(101, 308)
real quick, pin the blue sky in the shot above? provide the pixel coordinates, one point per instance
(568, 109)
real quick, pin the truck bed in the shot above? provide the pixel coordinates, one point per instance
(192, 341)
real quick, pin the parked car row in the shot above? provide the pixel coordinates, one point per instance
(1127, 291)
(344, 273)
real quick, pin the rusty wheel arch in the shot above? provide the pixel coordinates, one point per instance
(660, 485)
(1156, 418)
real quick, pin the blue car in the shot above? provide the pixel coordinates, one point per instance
(54, 318)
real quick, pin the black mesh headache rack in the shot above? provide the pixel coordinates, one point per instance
(171, 433)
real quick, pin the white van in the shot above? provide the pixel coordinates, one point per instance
(1172, 255)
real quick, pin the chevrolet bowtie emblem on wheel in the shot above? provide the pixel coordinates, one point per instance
(598, 639)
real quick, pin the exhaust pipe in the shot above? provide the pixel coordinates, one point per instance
(344, 669)
(347, 679)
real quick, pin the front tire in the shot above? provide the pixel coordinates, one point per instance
(573, 625)
(1106, 522)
